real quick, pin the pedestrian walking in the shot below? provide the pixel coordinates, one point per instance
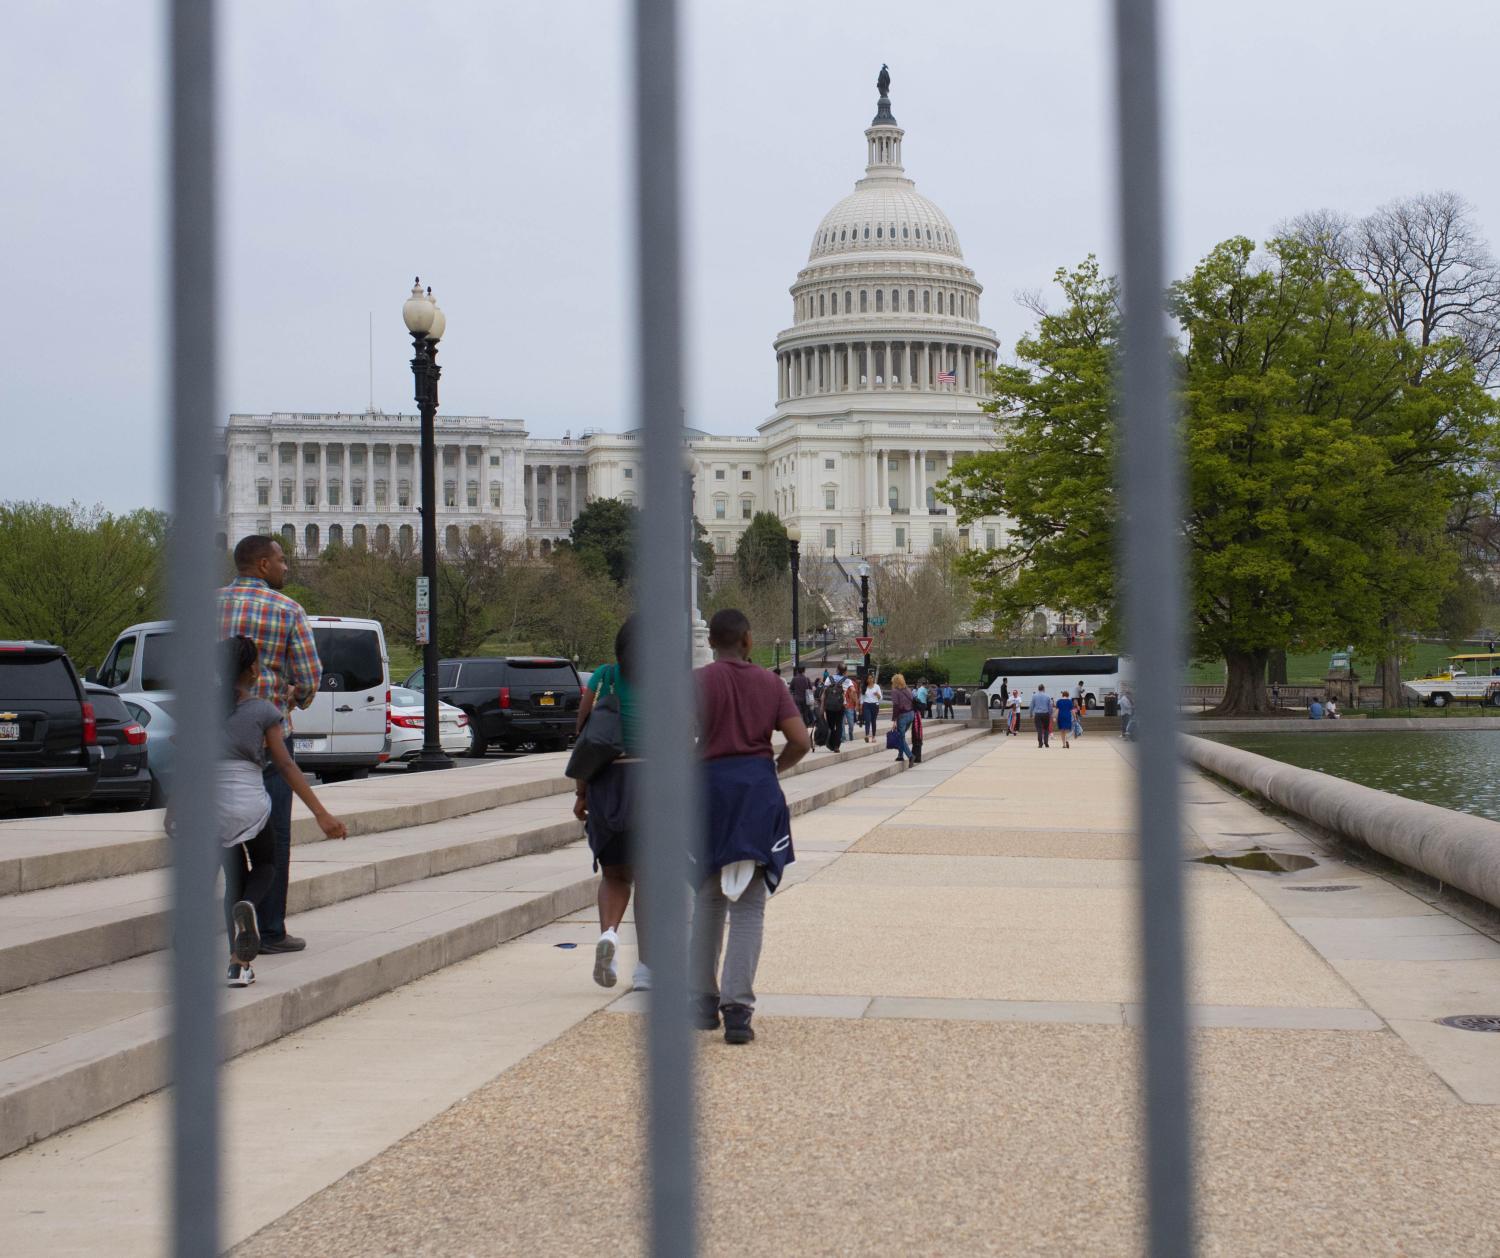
(870, 705)
(1041, 715)
(749, 825)
(253, 743)
(1080, 706)
(1005, 692)
(802, 688)
(288, 674)
(947, 702)
(920, 695)
(1013, 713)
(833, 712)
(903, 713)
(1127, 716)
(1065, 718)
(851, 704)
(606, 805)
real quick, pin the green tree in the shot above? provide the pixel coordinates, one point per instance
(763, 553)
(603, 535)
(77, 575)
(1324, 456)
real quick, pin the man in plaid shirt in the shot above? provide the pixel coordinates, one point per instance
(290, 674)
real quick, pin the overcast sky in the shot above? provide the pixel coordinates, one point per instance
(486, 145)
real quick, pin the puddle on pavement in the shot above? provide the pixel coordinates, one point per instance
(1260, 860)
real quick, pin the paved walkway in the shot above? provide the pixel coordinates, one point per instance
(945, 1063)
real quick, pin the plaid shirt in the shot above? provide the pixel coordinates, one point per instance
(289, 668)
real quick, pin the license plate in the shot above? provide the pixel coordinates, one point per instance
(302, 745)
(548, 701)
(10, 731)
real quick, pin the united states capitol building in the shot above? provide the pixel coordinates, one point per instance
(878, 390)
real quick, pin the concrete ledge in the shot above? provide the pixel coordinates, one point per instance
(1453, 847)
(1350, 723)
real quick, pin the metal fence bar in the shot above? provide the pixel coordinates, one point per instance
(667, 810)
(197, 947)
(1150, 475)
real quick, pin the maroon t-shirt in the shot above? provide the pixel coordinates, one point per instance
(740, 704)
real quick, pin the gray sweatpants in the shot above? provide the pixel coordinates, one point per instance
(747, 928)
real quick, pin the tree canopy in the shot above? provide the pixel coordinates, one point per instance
(763, 553)
(1324, 454)
(603, 534)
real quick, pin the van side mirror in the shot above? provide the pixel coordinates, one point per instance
(91, 674)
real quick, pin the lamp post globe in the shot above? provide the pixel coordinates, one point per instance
(426, 323)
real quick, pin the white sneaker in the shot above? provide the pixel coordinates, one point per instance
(240, 975)
(604, 959)
(641, 979)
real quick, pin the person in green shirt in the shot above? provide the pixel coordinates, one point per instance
(605, 806)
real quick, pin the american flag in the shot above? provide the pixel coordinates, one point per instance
(947, 377)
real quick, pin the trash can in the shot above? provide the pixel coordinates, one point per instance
(1111, 705)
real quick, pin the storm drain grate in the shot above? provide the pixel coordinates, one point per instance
(1248, 834)
(1472, 1021)
(1343, 886)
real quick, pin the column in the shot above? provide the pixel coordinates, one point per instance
(528, 473)
(922, 373)
(849, 376)
(578, 491)
(346, 499)
(322, 481)
(781, 377)
(882, 495)
(914, 457)
(872, 469)
(275, 483)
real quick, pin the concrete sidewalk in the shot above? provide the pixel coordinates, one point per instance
(946, 1056)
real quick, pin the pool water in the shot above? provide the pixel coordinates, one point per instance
(1459, 770)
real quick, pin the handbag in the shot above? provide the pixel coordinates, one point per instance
(601, 741)
(892, 740)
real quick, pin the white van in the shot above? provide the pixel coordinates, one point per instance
(346, 730)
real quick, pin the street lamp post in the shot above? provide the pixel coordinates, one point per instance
(427, 323)
(794, 542)
(778, 657)
(864, 613)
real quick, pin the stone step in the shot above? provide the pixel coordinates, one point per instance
(77, 1046)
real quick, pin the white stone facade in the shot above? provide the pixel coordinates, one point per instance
(865, 423)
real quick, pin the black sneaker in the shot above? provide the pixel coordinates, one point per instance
(287, 943)
(706, 1012)
(737, 1029)
(240, 975)
(246, 932)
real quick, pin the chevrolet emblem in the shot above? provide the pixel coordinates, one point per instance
(9, 716)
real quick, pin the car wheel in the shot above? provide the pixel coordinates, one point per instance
(1440, 701)
(478, 747)
(994, 702)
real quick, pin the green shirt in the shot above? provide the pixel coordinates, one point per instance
(607, 680)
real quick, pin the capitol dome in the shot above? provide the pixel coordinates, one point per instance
(885, 302)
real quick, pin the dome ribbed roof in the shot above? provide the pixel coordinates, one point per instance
(885, 215)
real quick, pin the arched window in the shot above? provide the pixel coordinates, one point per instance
(895, 299)
(382, 537)
(931, 497)
(844, 233)
(879, 300)
(289, 538)
(950, 303)
(335, 534)
(360, 537)
(905, 232)
(848, 302)
(929, 234)
(864, 300)
(822, 303)
(310, 540)
(867, 231)
(895, 498)
(878, 231)
(911, 299)
(450, 539)
(404, 539)
(476, 535)
(927, 301)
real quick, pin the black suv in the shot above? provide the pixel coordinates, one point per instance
(49, 751)
(124, 776)
(513, 701)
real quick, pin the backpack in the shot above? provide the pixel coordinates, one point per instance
(834, 693)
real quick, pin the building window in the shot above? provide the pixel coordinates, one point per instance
(310, 495)
(286, 495)
(382, 459)
(864, 300)
(718, 473)
(822, 303)
(829, 496)
(745, 475)
(473, 494)
(630, 473)
(494, 495)
(950, 303)
(720, 507)
(989, 539)
(403, 494)
(848, 301)
(310, 455)
(895, 299)
(747, 508)
(263, 495)
(357, 494)
(927, 301)
(831, 539)
(721, 545)
(895, 498)
(828, 464)
(334, 493)
(381, 494)
(879, 300)
(494, 460)
(450, 494)
(541, 511)
(900, 538)
(877, 232)
(403, 458)
(911, 299)
(937, 534)
(262, 456)
(932, 465)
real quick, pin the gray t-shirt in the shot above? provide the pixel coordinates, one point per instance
(246, 730)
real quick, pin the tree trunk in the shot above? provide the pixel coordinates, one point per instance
(1388, 672)
(1276, 668)
(1244, 684)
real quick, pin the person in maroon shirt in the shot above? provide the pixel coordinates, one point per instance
(749, 840)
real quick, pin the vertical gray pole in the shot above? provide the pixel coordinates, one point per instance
(667, 808)
(1150, 476)
(198, 949)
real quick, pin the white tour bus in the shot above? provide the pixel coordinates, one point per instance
(1102, 676)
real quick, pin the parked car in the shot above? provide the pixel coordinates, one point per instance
(408, 727)
(513, 701)
(156, 715)
(343, 734)
(124, 776)
(49, 750)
